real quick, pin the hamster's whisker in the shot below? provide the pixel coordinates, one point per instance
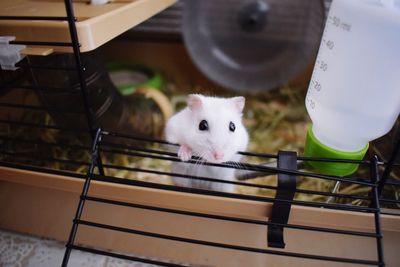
(202, 156)
(207, 145)
(197, 166)
(199, 160)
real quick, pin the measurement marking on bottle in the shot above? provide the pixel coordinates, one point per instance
(312, 104)
(339, 23)
(346, 27)
(317, 85)
(336, 21)
(330, 44)
(323, 66)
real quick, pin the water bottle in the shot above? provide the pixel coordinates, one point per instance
(354, 93)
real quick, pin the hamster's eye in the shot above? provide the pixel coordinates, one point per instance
(232, 127)
(203, 126)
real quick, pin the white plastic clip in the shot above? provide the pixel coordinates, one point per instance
(10, 53)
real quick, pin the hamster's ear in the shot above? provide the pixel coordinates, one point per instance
(239, 102)
(194, 102)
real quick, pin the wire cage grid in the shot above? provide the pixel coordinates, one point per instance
(100, 145)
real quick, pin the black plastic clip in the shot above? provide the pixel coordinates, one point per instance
(285, 190)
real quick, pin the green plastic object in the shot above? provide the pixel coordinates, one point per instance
(154, 80)
(315, 149)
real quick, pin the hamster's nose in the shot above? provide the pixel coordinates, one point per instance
(218, 155)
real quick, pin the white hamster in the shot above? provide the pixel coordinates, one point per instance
(210, 128)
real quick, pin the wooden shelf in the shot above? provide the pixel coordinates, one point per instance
(96, 24)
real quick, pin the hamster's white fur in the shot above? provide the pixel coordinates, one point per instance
(217, 144)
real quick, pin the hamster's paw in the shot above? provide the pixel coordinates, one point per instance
(184, 153)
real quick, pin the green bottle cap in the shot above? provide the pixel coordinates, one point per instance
(315, 149)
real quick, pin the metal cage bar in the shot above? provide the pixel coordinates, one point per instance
(91, 176)
(80, 69)
(85, 190)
